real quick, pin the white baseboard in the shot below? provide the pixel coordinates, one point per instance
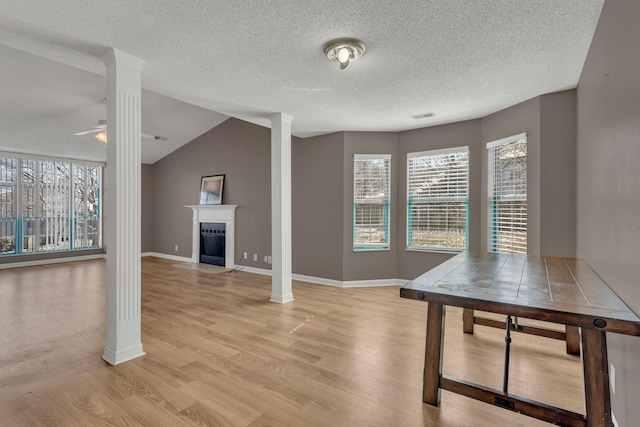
(34, 263)
(166, 256)
(330, 282)
(376, 282)
(350, 283)
(114, 358)
(318, 280)
(255, 270)
(185, 259)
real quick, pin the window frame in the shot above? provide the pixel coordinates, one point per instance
(370, 246)
(410, 246)
(492, 245)
(66, 206)
(9, 203)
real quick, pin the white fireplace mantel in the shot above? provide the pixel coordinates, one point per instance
(214, 213)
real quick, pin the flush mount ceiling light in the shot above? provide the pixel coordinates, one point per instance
(344, 51)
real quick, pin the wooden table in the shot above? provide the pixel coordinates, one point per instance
(559, 290)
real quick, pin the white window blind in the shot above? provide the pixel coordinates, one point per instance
(438, 199)
(508, 195)
(371, 194)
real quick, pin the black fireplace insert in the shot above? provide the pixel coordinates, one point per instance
(212, 244)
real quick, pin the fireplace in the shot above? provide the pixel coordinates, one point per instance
(216, 214)
(212, 245)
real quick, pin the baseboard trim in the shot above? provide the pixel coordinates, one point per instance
(329, 282)
(373, 283)
(318, 280)
(254, 270)
(350, 283)
(114, 358)
(166, 256)
(37, 262)
(281, 299)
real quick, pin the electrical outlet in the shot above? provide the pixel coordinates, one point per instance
(269, 259)
(255, 257)
(245, 255)
(612, 379)
(176, 248)
(264, 259)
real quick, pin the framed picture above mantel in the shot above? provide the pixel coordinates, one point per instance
(211, 189)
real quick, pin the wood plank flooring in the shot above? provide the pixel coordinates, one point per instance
(218, 353)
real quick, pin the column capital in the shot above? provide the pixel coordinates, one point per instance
(280, 117)
(117, 56)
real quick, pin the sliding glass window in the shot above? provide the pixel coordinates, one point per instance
(49, 205)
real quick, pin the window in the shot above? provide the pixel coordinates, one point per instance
(48, 205)
(371, 180)
(438, 199)
(508, 195)
(8, 200)
(86, 203)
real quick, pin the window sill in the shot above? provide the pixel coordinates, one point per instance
(436, 251)
(372, 249)
(51, 254)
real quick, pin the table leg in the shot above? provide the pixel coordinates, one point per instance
(596, 378)
(572, 334)
(467, 321)
(433, 354)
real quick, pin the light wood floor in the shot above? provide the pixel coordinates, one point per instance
(218, 353)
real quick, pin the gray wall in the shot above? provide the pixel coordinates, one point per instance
(369, 265)
(558, 173)
(608, 181)
(146, 208)
(241, 151)
(322, 189)
(523, 117)
(549, 121)
(317, 206)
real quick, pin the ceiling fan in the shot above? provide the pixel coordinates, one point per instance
(101, 133)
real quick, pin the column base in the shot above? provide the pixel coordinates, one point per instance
(114, 358)
(281, 299)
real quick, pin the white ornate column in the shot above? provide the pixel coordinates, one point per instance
(281, 208)
(122, 219)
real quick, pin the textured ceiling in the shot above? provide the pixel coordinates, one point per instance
(456, 59)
